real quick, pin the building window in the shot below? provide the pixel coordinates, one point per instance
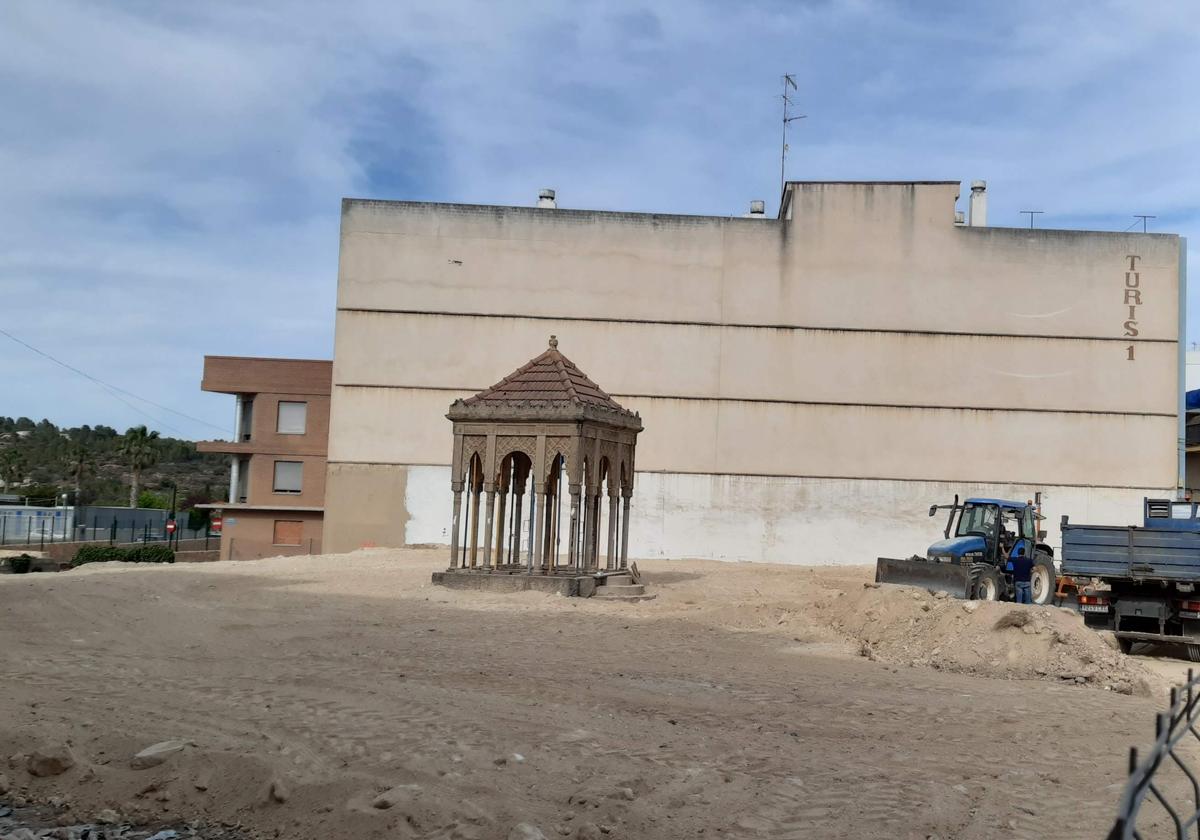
(288, 532)
(293, 417)
(289, 476)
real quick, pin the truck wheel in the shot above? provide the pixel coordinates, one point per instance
(985, 583)
(1042, 579)
(1194, 653)
(1126, 645)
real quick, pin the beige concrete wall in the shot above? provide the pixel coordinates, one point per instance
(365, 508)
(865, 256)
(866, 337)
(738, 437)
(872, 367)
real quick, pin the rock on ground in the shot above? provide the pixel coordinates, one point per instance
(50, 761)
(156, 754)
(398, 795)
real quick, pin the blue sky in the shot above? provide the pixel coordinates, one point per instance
(160, 162)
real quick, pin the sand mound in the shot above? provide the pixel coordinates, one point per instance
(912, 626)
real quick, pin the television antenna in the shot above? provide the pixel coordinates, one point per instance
(789, 81)
(1032, 215)
(1143, 217)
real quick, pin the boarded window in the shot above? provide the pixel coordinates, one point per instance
(288, 532)
(289, 476)
(293, 417)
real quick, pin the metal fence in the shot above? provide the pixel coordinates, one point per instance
(46, 526)
(1167, 777)
(27, 524)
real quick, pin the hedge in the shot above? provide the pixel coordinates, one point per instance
(115, 554)
(21, 563)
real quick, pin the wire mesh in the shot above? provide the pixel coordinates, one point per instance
(1166, 777)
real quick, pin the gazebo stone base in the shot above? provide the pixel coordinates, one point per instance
(564, 583)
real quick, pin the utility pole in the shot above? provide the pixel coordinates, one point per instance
(789, 80)
(1032, 214)
(1143, 218)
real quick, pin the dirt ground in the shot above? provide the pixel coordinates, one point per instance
(344, 697)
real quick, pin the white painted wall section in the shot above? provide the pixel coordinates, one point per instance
(802, 521)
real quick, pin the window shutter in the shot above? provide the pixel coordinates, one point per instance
(289, 476)
(293, 418)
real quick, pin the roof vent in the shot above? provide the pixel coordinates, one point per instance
(546, 199)
(977, 209)
(758, 209)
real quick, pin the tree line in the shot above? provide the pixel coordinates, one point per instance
(99, 465)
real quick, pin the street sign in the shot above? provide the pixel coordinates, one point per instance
(215, 523)
(170, 526)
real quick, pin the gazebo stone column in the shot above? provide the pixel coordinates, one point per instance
(518, 499)
(502, 492)
(457, 488)
(574, 558)
(490, 489)
(610, 556)
(474, 523)
(537, 547)
(628, 495)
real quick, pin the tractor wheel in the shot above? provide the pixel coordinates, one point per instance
(1194, 653)
(986, 584)
(1042, 580)
(1126, 645)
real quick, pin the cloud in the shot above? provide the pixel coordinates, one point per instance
(172, 173)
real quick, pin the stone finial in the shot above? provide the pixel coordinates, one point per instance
(553, 342)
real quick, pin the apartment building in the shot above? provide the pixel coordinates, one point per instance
(276, 501)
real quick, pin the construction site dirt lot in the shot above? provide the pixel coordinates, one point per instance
(346, 697)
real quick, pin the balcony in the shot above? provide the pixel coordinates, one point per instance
(225, 447)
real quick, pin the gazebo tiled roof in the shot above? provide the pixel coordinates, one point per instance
(548, 386)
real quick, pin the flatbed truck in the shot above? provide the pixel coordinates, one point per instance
(1145, 579)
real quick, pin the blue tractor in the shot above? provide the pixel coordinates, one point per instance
(971, 560)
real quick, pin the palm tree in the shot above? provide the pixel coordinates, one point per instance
(139, 448)
(12, 467)
(78, 458)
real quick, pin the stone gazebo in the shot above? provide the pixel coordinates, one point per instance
(542, 477)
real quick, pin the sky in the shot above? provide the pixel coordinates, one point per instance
(171, 173)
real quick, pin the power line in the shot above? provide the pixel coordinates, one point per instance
(113, 389)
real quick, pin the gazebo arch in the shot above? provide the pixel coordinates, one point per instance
(543, 428)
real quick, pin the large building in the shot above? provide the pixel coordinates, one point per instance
(277, 454)
(809, 384)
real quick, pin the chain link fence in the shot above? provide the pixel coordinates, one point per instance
(1162, 795)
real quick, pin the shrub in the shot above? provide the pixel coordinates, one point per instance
(97, 554)
(114, 554)
(20, 564)
(151, 554)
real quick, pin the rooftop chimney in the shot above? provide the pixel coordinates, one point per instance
(546, 199)
(977, 215)
(758, 209)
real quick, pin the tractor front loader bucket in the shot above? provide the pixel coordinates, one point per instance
(950, 578)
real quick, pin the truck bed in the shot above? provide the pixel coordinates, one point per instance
(1130, 552)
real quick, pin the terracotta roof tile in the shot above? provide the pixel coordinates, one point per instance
(550, 378)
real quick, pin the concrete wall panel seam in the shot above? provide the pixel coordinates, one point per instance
(749, 326)
(756, 400)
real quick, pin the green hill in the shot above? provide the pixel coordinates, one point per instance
(42, 461)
